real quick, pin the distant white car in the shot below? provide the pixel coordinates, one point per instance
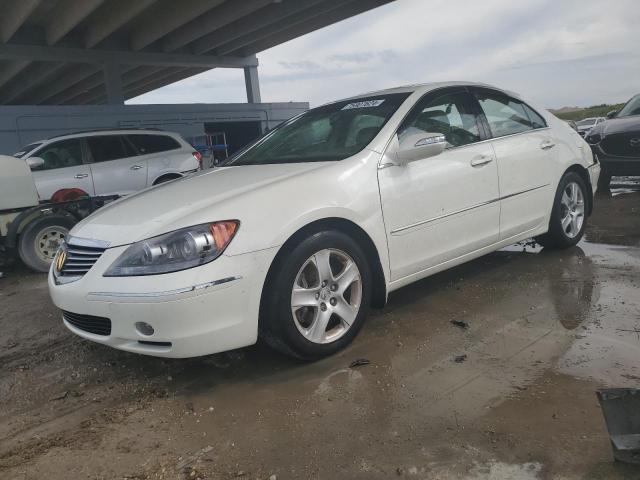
(584, 126)
(108, 162)
(295, 237)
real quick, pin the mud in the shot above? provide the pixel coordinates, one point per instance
(545, 330)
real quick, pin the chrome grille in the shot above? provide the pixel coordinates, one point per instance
(80, 259)
(622, 144)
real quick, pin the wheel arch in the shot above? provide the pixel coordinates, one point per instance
(18, 224)
(166, 177)
(584, 174)
(379, 287)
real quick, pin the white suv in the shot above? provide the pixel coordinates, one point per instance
(108, 162)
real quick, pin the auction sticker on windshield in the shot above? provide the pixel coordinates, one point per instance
(363, 104)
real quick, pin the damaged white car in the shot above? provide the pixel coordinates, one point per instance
(297, 236)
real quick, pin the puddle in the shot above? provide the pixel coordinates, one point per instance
(504, 471)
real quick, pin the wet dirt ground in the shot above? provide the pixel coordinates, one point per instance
(545, 330)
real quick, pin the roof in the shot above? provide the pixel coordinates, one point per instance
(59, 52)
(112, 131)
(426, 87)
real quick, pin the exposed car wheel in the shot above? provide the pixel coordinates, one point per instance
(604, 181)
(568, 217)
(40, 239)
(316, 300)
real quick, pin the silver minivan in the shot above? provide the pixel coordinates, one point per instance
(108, 162)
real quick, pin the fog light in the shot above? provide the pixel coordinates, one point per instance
(144, 329)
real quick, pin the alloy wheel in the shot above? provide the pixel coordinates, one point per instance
(572, 209)
(326, 296)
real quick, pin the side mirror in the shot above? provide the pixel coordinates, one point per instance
(612, 114)
(35, 163)
(417, 146)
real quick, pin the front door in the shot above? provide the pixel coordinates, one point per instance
(63, 168)
(441, 208)
(116, 167)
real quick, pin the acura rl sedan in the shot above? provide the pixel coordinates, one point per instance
(294, 238)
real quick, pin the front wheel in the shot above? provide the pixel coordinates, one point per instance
(568, 217)
(316, 300)
(40, 239)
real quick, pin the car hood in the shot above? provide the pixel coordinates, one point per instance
(618, 125)
(181, 203)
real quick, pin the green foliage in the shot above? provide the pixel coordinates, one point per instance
(593, 111)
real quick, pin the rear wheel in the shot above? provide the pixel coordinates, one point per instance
(568, 217)
(40, 240)
(316, 301)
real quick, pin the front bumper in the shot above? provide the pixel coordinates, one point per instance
(199, 311)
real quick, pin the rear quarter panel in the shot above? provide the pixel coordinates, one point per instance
(178, 161)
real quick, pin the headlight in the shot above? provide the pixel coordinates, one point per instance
(173, 251)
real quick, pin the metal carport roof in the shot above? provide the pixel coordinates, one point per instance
(65, 52)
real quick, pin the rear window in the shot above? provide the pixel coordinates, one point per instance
(153, 143)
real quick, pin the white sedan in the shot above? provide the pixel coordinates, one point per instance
(298, 235)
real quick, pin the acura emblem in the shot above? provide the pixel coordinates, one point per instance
(60, 259)
(635, 142)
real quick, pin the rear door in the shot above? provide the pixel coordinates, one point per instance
(64, 167)
(116, 167)
(162, 154)
(523, 145)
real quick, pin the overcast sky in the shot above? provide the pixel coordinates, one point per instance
(557, 52)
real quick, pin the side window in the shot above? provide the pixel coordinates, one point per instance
(536, 120)
(448, 114)
(108, 147)
(65, 153)
(505, 115)
(146, 144)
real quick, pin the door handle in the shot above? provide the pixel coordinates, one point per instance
(547, 144)
(81, 175)
(136, 167)
(481, 160)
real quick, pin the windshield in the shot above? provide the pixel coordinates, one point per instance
(586, 122)
(328, 133)
(25, 150)
(631, 108)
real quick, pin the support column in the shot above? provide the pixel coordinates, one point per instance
(252, 83)
(113, 82)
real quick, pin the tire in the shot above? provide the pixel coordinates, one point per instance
(42, 236)
(298, 330)
(604, 181)
(564, 207)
